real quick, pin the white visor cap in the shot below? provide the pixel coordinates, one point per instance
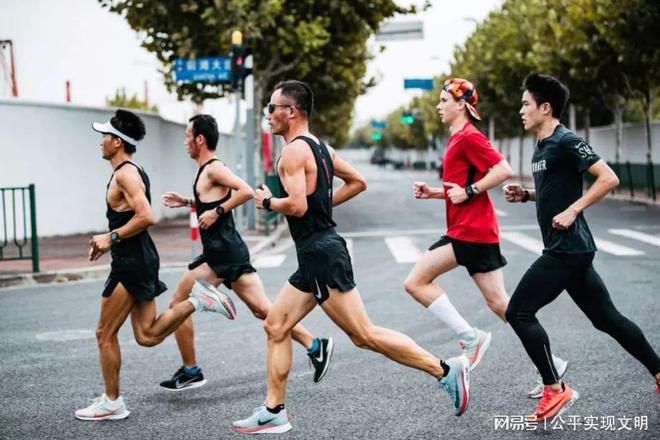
(107, 127)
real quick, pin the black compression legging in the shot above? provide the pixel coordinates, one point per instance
(543, 282)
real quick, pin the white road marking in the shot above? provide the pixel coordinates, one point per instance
(524, 241)
(66, 335)
(636, 235)
(267, 261)
(500, 213)
(403, 249)
(615, 249)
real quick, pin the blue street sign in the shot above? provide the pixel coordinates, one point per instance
(216, 69)
(416, 83)
(378, 124)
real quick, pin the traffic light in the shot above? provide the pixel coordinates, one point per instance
(376, 136)
(407, 118)
(238, 69)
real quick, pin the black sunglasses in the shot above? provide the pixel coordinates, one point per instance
(271, 107)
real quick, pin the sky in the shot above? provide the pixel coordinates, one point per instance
(79, 41)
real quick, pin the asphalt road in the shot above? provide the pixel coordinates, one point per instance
(49, 360)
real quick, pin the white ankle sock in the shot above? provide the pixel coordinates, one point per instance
(443, 309)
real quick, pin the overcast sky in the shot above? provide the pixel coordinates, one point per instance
(77, 40)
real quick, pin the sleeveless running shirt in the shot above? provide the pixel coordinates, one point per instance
(137, 243)
(319, 204)
(222, 234)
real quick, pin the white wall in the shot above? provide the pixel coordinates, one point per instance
(602, 139)
(54, 147)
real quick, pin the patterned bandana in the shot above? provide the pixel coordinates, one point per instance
(463, 89)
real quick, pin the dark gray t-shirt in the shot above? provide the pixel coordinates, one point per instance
(558, 164)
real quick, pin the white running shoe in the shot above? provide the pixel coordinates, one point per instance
(211, 299)
(103, 409)
(560, 365)
(475, 346)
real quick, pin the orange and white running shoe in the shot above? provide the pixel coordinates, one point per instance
(553, 403)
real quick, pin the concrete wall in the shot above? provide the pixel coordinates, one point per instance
(54, 147)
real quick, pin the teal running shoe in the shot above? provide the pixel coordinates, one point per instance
(457, 383)
(263, 421)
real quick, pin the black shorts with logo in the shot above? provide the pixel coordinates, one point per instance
(476, 257)
(323, 261)
(229, 265)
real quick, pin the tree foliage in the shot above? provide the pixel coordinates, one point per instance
(321, 42)
(121, 99)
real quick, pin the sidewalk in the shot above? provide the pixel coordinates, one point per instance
(64, 258)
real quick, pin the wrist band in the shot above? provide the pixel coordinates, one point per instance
(525, 196)
(266, 204)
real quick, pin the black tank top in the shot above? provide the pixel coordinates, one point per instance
(319, 204)
(223, 232)
(116, 219)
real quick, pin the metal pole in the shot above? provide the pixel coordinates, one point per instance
(249, 135)
(238, 151)
(33, 224)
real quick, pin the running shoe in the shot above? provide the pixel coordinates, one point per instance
(263, 421)
(182, 381)
(211, 299)
(560, 365)
(457, 383)
(553, 403)
(474, 346)
(320, 359)
(103, 409)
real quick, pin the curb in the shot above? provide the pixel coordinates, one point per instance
(102, 271)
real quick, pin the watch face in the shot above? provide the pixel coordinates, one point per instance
(114, 236)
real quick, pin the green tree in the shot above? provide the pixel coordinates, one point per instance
(122, 100)
(320, 42)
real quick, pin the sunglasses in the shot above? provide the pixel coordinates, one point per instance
(270, 108)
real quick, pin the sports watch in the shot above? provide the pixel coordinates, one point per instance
(114, 237)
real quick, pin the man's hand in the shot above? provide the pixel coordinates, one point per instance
(456, 193)
(421, 190)
(207, 219)
(173, 200)
(261, 193)
(99, 245)
(513, 192)
(564, 220)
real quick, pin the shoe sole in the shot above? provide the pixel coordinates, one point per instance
(540, 393)
(465, 382)
(482, 350)
(110, 417)
(265, 429)
(227, 303)
(187, 387)
(331, 347)
(562, 410)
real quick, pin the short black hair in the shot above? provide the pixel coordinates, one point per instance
(300, 92)
(207, 127)
(546, 88)
(130, 124)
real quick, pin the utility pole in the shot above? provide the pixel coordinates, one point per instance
(12, 63)
(237, 83)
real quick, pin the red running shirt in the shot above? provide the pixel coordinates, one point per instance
(473, 220)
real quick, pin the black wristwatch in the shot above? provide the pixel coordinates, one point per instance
(220, 211)
(525, 196)
(266, 204)
(469, 190)
(114, 237)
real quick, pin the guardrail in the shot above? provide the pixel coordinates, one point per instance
(635, 177)
(14, 242)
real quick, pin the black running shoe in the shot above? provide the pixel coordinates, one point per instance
(182, 381)
(321, 359)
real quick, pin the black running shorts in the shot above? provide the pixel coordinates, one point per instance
(476, 257)
(227, 266)
(323, 262)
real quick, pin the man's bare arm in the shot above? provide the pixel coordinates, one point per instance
(353, 184)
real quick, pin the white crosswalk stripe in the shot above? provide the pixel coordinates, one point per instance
(268, 261)
(349, 246)
(524, 241)
(615, 249)
(636, 235)
(500, 213)
(403, 249)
